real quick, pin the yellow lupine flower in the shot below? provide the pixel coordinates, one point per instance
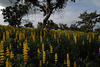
(99, 49)
(40, 39)
(31, 34)
(83, 42)
(68, 60)
(38, 50)
(51, 48)
(89, 40)
(42, 46)
(40, 63)
(7, 51)
(37, 26)
(65, 33)
(25, 52)
(10, 46)
(74, 63)
(33, 38)
(7, 34)
(44, 57)
(68, 36)
(87, 36)
(41, 33)
(99, 38)
(4, 36)
(23, 35)
(2, 59)
(57, 41)
(20, 44)
(54, 35)
(75, 39)
(20, 34)
(44, 34)
(56, 57)
(11, 54)
(8, 63)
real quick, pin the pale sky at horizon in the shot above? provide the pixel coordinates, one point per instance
(69, 15)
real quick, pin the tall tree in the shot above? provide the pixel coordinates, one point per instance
(14, 14)
(48, 7)
(89, 20)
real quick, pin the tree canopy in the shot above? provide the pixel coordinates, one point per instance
(48, 7)
(13, 14)
(89, 20)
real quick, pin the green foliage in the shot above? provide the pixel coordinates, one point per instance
(28, 24)
(86, 55)
(88, 20)
(13, 14)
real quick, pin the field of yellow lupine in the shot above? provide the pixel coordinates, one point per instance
(35, 47)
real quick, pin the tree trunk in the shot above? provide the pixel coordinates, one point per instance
(46, 18)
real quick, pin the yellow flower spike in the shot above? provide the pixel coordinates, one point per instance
(68, 36)
(4, 36)
(83, 42)
(40, 39)
(11, 54)
(57, 41)
(7, 34)
(20, 44)
(42, 46)
(41, 33)
(99, 49)
(87, 36)
(33, 38)
(44, 55)
(99, 38)
(54, 35)
(2, 59)
(65, 33)
(75, 39)
(38, 50)
(44, 34)
(31, 34)
(20, 34)
(74, 63)
(68, 60)
(56, 58)
(67, 56)
(40, 63)
(51, 48)
(89, 40)
(23, 35)
(7, 62)
(7, 51)
(25, 52)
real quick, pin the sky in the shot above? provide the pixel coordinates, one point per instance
(69, 15)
